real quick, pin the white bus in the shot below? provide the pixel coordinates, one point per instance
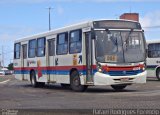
(102, 52)
(153, 59)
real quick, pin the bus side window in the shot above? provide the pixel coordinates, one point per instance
(41, 47)
(75, 45)
(32, 48)
(154, 50)
(17, 50)
(62, 44)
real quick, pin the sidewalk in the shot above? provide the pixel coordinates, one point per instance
(6, 77)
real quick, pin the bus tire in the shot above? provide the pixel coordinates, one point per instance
(76, 83)
(34, 82)
(158, 74)
(41, 84)
(118, 87)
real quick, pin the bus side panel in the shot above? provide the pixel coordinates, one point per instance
(31, 65)
(151, 67)
(17, 69)
(41, 73)
(64, 64)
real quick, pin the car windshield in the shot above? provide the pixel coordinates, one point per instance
(119, 46)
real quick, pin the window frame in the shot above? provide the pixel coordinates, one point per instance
(57, 43)
(80, 36)
(153, 50)
(44, 48)
(15, 57)
(32, 48)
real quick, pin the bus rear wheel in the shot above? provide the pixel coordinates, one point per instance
(34, 82)
(158, 74)
(118, 87)
(33, 79)
(75, 82)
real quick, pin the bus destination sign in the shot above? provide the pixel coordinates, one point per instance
(116, 24)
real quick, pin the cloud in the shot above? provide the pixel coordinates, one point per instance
(151, 21)
(24, 1)
(151, 24)
(106, 1)
(60, 10)
(7, 38)
(73, 1)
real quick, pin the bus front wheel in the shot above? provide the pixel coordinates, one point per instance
(118, 87)
(158, 74)
(75, 82)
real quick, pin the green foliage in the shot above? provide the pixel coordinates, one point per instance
(10, 66)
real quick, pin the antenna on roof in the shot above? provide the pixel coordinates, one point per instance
(130, 9)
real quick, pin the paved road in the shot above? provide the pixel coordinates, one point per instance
(16, 94)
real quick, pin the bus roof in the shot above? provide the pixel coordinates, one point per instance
(55, 31)
(153, 41)
(66, 28)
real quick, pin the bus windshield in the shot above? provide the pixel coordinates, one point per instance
(119, 46)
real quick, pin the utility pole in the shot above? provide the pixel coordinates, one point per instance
(49, 9)
(2, 58)
(0, 61)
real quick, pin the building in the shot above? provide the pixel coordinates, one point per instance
(130, 16)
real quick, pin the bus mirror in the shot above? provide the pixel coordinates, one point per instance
(142, 30)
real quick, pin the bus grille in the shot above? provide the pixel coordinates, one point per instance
(124, 73)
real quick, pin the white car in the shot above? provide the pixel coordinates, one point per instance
(2, 72)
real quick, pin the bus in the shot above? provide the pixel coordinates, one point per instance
(153, 59)
(100, 52)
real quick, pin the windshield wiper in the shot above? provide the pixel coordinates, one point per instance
(128, 36)
(111, 38)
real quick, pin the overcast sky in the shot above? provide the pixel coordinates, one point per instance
(20, 18)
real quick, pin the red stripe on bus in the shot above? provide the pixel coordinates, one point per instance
(51, 68)
(83, 67)
(121, 68)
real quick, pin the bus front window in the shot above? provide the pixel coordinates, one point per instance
(134, 48)
(119, 46)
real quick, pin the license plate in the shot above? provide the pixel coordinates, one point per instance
(124, 79)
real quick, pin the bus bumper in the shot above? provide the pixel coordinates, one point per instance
(104, 79)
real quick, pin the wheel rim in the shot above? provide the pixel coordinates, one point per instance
(76, 81)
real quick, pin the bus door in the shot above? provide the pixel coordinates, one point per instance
(24, 60)
(51, 60)
(89, 60)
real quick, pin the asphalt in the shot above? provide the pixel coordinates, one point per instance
(15, 94)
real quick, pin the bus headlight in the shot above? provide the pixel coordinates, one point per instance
(99, 68)
(143, 67)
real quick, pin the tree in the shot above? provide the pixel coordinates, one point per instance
(10, 66)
